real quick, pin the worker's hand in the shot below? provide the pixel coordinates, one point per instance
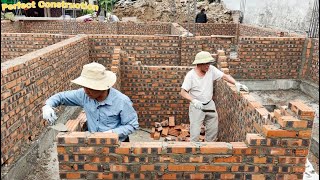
(109, 131)
(240, 87)
(49, 114)
(197, 104)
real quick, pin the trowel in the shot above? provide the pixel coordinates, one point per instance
(59, 127)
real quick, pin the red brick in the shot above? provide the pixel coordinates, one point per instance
(215, 148)
(273, 131)
(183, 168)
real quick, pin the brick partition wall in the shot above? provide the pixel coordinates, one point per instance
(68, 27)
(154, 91)
(150, 28)
(282, 56)
(18, 44)
(150, 50)
(157, 50)
(190, 46)
(26, 82)
(278, 151)
(310, 69)
(208, 29)
(91, 27)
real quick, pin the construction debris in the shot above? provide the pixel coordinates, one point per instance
(180, 11)
(173, 132)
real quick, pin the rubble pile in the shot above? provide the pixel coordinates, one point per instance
(179, 11)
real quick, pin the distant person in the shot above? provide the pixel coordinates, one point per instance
(107, 109)
(201, 17)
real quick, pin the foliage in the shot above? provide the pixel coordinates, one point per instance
(108, 3)
(87, 11)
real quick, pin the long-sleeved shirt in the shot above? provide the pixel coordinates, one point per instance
(115, 112)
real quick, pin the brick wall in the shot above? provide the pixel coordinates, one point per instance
(68, 27)
(282, 56)
(16, 44)
(252, 30)
(190, 46)
(10, 27)
(154, 91)
(310, 69)
(275, 153)
(150, 50)
(93, 27)
(208, 29)
(26, 82)
(151, 28)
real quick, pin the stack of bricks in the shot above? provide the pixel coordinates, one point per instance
(173, 132)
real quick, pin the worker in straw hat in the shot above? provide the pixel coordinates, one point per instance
(197, 87)
(107, 109)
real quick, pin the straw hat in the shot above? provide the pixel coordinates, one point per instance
(203, 57)
(95, 76)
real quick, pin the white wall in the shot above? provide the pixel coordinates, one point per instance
(292, 15)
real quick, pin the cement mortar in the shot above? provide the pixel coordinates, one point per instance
(28, 162)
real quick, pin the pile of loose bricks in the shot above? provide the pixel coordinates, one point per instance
(173, 132)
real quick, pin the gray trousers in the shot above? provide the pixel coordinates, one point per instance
(208, 119)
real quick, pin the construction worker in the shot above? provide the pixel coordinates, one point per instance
(197, 87)
(107, 109)
(202, 17)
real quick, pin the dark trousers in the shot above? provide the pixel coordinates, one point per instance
(126, 140)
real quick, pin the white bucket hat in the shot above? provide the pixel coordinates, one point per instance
(95, 76)
(203, 57)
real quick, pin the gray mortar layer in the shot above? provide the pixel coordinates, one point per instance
(20, 168)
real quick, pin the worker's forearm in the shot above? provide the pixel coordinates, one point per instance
(186, 95)
(229, 78)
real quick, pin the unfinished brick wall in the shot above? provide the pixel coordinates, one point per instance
(274, 153)
(208, 29)
(154, 91)
(190, 46)
(310, 69)
(91, 27)
(150, 50)
(282, 56)
(68, 27)
(18, 44)
(26, 82)
(150, 28)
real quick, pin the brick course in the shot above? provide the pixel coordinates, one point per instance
(18, 44)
